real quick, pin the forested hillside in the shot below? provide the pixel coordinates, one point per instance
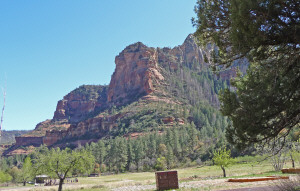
(8, 137)
(152, 91)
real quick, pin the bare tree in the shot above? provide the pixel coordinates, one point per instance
(4, 95)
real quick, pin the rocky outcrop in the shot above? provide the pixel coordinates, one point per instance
(168, 120)
(23, 141)
(81, 102)
(186, 54)
(53, 136)
(136, 69)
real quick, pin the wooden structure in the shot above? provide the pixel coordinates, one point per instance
(40, 179)
(255, 179)
(291, 170)
(93, 175)
(166, 180)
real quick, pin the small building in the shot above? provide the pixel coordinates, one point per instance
(40, 179)
(94, 175)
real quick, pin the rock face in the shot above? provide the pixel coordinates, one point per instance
(53, 136)
(140, 73)
(79, 103)
(35, 141)
(136, 68)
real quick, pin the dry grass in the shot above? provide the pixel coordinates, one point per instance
(198, 175)
(293, 184)
(206, 177)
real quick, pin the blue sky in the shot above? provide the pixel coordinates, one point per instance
(50, 47)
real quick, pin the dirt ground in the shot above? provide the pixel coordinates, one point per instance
(209, 184)
(213, 184)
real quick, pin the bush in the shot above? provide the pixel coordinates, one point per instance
(132, 167)
(161, 164)
(4, 177)
(292, 184)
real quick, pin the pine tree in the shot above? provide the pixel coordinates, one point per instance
(138, 152)
(169, 157)
(266, 33)
(152, 146)
(130, 153)
(121, 154)
(177, 147)
(101, 153)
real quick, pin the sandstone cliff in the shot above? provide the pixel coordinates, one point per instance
(144, 80)
(136, 68)
(79, 103)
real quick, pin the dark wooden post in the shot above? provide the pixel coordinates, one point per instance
(166, 180)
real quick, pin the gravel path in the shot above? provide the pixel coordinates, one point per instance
(210, 184)
(265, 188)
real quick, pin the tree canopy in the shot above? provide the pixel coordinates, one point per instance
(265, 103)
(222, 158)
(60, 163)
(27, 171)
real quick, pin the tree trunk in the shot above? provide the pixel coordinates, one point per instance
(61, 181)
(293, 161)
(224, 173)
(24, 183)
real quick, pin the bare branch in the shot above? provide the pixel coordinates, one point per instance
(4, 95)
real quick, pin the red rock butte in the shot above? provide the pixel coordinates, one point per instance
(138, 75)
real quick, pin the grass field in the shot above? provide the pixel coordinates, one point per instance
(190, 179)
(206, 176)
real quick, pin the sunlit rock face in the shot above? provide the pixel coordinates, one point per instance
(78, 104)
(136, 68)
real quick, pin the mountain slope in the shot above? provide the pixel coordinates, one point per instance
(150, 89)
(8, 137)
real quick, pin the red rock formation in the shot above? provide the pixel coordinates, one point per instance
(20, 151)
(137, 75)
(180, 121)
(79, 103)
(136, 68)
(168, 120)
(74, 107)
(35, 141)
(53, 136)
(97, 126)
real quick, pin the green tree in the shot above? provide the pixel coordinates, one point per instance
(112, 155)
(138, 152)
(266, 33)
(121, 154)
(5, 177)
(170, 157)
(161, 163)
(130, 153)
(60, 163)
(99, 152)
(26, 171)
(15, 174)
(3, 164)
(222, 158)
(177, 147)
(193, 139)
(152, 146)
(162, 150)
